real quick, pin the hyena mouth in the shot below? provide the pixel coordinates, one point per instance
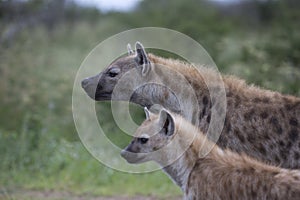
(99, 96)
(132, 158)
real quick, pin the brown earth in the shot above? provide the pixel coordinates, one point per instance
(61, 195)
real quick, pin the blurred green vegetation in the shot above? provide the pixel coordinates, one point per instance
(39, 147)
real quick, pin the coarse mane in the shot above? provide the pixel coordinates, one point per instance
(232, 84)
(184, 68)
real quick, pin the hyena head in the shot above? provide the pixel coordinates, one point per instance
(101, 86)
(155, 133)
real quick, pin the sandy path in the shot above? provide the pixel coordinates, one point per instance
(60, 195)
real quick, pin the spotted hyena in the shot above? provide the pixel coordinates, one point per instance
(222, 174)
(260, 123)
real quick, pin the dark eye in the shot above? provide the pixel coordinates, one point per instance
(144, 140)
(113, 72)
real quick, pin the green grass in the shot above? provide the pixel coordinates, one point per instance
(67, 166)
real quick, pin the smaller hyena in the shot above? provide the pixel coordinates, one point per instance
(222, 174)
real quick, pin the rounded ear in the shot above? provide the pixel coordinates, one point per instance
(142, 58)
(147, 113)
(129, 49)
(167, 123)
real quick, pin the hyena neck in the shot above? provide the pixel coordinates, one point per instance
(180, 169)
(185, 145)
(152, 94)
(194, 107)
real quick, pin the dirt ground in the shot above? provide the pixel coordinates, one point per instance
(59, 195)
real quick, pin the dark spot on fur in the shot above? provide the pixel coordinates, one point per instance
(237, 101)
(274, 173)
(264, 115)
(194, 84)
(288, 106)
(265, 188)
(293, 122)
(229, 184)
(293, 135)
(249, 114)
(296, 155)
(288, 145)
(275, 123)
(258, 183)
(262, 150)
(251, 170)
(229, 94)
(155, 148)
(256, 100)
(266, 100)
(295, 166)
(288, 188)
(228, 127)
(227, 124)
(230, 195)
(281, 143)
(284, 153)
(205, 100)
(294, 195)
(274, 120)
(222, 142)
(208, 119)
(266, 136)
(279, 130)
(251, 138)
(253, 194)
(240, 136)
(203, 113)
(277, 159)
(292, 105)
(229, 103)
(282, 112)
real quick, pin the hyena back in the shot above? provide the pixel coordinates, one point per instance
(222, 174)
(260, 123)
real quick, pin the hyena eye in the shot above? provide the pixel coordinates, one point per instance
(113, 72)
(143, 140)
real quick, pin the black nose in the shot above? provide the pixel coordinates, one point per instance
(84, 82)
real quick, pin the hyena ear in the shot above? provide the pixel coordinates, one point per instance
(129, 49)
(142, 59)
(166, 121)
(148, 113)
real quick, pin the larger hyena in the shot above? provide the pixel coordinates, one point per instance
(260, 123)
(222, 174)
